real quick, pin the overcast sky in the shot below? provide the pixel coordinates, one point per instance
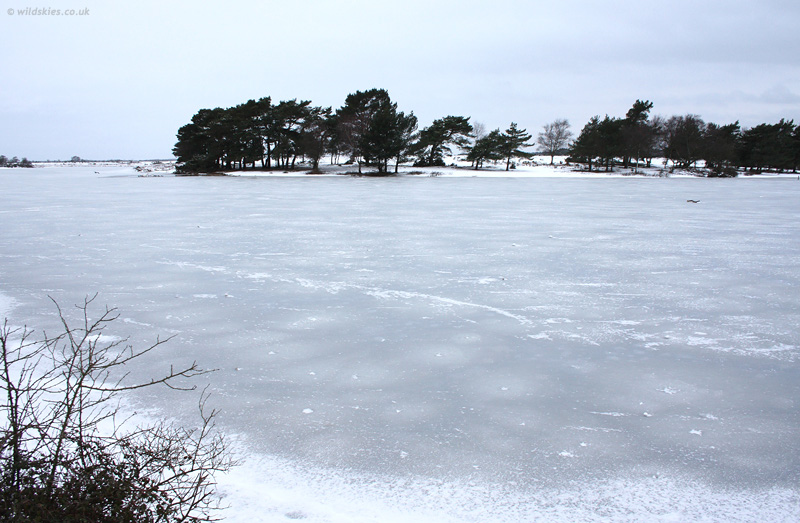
(119, 81)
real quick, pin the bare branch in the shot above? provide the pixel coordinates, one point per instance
(57, 391)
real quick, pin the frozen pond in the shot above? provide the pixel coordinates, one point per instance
(484, 349)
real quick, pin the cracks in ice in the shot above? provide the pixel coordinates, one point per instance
(386, 294)
(599, 331)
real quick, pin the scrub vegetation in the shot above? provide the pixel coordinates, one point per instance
(65, 453)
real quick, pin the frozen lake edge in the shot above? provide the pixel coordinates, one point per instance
(489, 327)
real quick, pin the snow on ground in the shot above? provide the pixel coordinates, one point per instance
(448, 349)
(288, 492)
(536, 167)
(539, 167)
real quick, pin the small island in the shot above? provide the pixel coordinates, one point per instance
(369, 132)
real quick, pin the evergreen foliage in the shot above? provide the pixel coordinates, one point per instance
(489, 147)
(369, 130)
(638, 135)
(685, 141)
(436, 140)
(14, 162)
(514, 140)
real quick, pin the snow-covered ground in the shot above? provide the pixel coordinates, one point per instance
(537, 167)
(458, 167)
(449, 349)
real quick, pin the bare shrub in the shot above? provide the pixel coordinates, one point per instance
(60, 461)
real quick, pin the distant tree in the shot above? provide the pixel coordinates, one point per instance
(487, 147)
(200, 145)
(720, 145)
(783, 139)
(3, 160)
(354, 119)
(217, 131)
(405, 133)
(242, 135)
(684, 140)
(584, 148)
(381, 141)
(769, 146)
(246, 144)
(478, 130)
(609, 141)
(190, 149)
(315, 135)
(335, 145)
(75, 159)
(264, 129)
(555, 137)
(514, 140)
(389, 136)
(637, 136)
(436, 140)
(639, 112)
(25, 163)
(796, 148)
(599, 139)
(755, 148)
(371, 131)
(657, 125)
(228, 138)
(288, 122)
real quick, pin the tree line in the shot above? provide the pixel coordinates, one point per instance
(369, 130)
(14, 162)
(685, 140)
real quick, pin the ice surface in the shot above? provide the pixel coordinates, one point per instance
(449, 349)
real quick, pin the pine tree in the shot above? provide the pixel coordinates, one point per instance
(514, 140)
(379, 142)
(489, 147)
(609, 141)
(354, 119)
(584, 148)
(404, 135)
(315, 135)
(435, 141)
(637, 134)
(719, 149)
